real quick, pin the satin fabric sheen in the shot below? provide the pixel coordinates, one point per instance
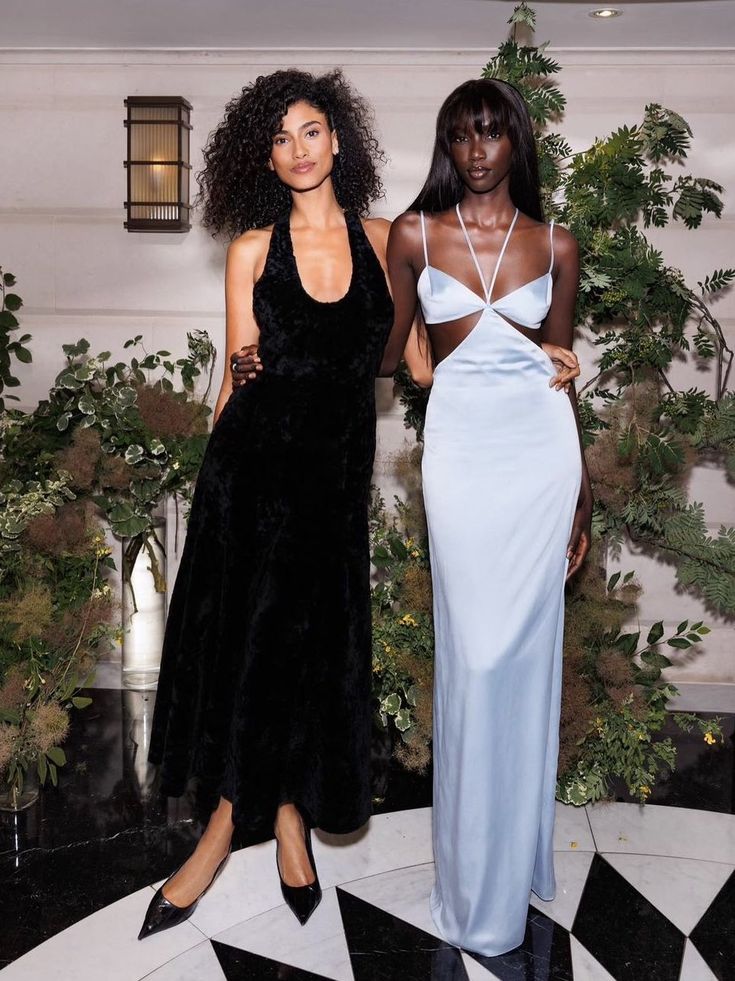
(501, 478)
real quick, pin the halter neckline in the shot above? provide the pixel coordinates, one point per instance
(488, 292)
(351, 233)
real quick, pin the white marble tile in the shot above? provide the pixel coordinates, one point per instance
(249, 883)
(693, 966)
(475, 971)
(319, 947)
(572, 829)
(105, 944)
(198, 964)
(389, 841)
(247, 887)
(682, 888)
(584, 965)
(571, 870)
(403, 892)
(658, 830)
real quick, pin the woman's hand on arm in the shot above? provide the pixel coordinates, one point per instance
(245, 365)
(558, 329)
(244, 257)
(566, 363)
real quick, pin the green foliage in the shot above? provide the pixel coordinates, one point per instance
(10, 348)
(91, 393)
(111, 441)
(403, 635)
(21, 503)
(619, 741)
(54, 610)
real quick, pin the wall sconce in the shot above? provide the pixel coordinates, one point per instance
(157, 163)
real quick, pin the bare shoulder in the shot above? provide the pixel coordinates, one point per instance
(377, 226)
(406, 228)
(248, 249)
(377, 230)
(566, 247)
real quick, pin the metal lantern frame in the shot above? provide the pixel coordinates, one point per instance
(158, 213)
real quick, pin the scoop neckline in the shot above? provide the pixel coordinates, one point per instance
(313, 299)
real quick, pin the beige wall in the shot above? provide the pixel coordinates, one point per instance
(62, 186)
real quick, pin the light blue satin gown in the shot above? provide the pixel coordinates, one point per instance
(501, 478)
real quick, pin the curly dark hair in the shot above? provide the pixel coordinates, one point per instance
(237, 189)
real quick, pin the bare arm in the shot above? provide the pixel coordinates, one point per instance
(244, 255)
(558, 328)
(403, 244)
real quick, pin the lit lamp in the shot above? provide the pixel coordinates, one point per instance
(157, 163)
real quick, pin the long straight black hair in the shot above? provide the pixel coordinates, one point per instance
(478, 102)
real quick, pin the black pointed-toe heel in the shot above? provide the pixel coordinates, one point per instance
(301, 900)
(162, 914)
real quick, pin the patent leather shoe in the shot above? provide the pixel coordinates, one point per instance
(301, 900)
(162, 913)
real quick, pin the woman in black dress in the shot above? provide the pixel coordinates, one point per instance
(265, 683)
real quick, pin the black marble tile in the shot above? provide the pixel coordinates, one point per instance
(384, 948)
(544, 955)
(43, 892)
(714, 935)
(241, 965)
(624, 931)
(704, 777)
(103, 833)
(106, 787)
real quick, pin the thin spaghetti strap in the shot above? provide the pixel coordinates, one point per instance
(488, 292)
(423, 236)
(502, 253)
(551, 244)
(474, 257)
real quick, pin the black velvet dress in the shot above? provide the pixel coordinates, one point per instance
(264, 692)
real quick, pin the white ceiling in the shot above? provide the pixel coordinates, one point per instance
(456, 24)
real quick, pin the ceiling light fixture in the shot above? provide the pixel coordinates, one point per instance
(605, 13)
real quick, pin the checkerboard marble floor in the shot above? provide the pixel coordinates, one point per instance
(646, 894)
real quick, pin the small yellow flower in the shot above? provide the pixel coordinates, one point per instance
(709, 738)
(645, 789)
(175, 465)
(416, 554)
(409, 543)
(408, 620)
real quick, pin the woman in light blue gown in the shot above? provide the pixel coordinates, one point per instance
(508, 502)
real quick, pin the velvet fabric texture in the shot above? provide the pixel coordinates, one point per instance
(264, 692)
